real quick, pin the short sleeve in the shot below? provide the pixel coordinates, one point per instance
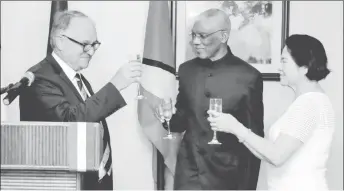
(300, 119)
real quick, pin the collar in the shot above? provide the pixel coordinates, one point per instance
(228, 55)
(70, 73)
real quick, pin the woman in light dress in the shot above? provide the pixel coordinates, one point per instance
(298, 144)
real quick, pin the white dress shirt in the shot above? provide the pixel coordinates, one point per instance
(70, 74)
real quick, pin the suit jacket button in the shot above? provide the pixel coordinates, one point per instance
(207, 94)
(210, 75)
(201, 151)
(203, 133)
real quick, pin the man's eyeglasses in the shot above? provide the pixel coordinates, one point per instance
(203, 36)
(86, 47)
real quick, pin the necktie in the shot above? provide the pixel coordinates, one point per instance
(81, 87)
(107, 152)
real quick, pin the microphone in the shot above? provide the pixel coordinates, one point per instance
(15, 90)
(5, 89)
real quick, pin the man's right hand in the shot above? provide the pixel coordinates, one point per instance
(127, 74)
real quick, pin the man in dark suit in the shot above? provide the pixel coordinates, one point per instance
(216, 73)
(61, 93)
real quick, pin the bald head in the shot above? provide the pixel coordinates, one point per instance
(217, 18)
(210, 34)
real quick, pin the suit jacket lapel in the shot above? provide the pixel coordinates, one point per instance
(87, 84)
(59, 70)
(66, 79)
(106, 130)
(89, 88)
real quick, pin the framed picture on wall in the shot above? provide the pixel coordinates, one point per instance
(258, 30)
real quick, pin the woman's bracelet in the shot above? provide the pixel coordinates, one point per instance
(243, 138)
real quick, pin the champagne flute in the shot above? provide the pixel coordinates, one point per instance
(167, 112)
(139, 95)
(215, 104)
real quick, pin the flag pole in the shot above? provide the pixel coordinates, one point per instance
(160, 171)
(56, 6)
(159, 60)
(160, 158)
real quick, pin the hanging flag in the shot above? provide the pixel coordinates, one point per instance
(158, 81)
(56, 6)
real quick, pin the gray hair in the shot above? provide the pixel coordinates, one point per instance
(61, 23)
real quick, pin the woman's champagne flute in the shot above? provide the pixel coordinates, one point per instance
(215, 104)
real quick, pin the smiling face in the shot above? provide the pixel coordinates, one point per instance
(205, 40)
(82, 30)
(290, 72)
(210, 33)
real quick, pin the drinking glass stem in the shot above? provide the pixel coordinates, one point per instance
(168, 127)
(214, 136)
(139, 89)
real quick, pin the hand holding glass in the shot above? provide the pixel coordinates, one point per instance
(215, 104)
(138, 59)
(167, 108)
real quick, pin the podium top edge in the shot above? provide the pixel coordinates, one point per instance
(45, 123)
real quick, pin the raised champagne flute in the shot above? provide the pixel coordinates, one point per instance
(139, 95)
(167, 113)
(215, 104)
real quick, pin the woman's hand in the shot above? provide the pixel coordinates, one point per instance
(223, 122)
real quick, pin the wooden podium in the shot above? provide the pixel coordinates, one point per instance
(49, 155)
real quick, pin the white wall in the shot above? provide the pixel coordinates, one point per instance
(24, 38)
(120, 28)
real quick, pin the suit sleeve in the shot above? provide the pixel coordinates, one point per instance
(255, 121)
(51, 98)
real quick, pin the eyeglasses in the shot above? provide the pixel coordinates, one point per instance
(203, 36)
(86, 47)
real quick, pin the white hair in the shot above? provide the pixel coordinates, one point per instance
(61, 23)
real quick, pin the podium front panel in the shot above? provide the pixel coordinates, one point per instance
(51, 146)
